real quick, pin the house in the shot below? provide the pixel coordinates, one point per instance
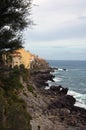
(18, 57)
(27, 57)
(14, 59)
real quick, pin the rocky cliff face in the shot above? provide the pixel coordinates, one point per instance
(51, 109)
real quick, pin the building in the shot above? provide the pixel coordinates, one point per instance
(18, 57)
(27, 57)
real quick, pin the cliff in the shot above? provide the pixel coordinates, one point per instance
(23, 90)
(51, 109)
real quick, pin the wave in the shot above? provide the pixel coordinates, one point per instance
(47, 87)
(49, 83)
(62, 69)
(80, 98)
(57, 79)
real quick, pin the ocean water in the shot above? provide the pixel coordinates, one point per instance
(74, 78)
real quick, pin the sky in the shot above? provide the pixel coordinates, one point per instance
(60, 30)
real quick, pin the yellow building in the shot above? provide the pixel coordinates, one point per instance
(27, 57)
(14, 59)
(18, 57)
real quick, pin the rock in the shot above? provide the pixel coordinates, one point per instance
(55, 88)
(41, 77)
(66, 101)
(59, 90)
(69, 101)
(63, 91)
(64, 69)
(54, 106)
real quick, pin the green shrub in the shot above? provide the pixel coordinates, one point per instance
(13, 113)
(23, 72)
(18, 118)
(30, 88)
(12, 96)
(12, 83)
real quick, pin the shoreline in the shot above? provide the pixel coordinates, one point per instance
(74, 88)
(53, 109)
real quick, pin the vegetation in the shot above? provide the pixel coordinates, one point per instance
(30, 88)
(14, 17)
(39, 64)
(24, 72)
(13, 113)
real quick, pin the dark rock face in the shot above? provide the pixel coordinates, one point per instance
(59, 103)
(69, 101)
(66, 101)
(41, 77)
(59, 90)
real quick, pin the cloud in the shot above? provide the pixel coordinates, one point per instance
(64, 19)
(67, 31)
(82, 18)
(61, 25)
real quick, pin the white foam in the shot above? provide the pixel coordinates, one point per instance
(66, 69)
(49, 82)
(79, 104)
(80, 98)
(47, 87)
(73, 93)
(60, 89)
(57, 79)
(60, 69)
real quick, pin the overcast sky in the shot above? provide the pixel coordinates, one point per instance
(60, 31)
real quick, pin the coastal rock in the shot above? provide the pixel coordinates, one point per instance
(53, 109)
(59, 90)
(66, 101)
(41, 77)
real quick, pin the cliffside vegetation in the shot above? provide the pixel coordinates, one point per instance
(13, 113)
(13, 20)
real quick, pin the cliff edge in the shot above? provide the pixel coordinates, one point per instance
(51, 109)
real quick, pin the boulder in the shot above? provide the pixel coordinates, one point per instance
(66, 101)
(59, 90)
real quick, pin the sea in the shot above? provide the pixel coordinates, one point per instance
(71, 75)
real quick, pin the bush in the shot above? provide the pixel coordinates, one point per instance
(30, 88)
(18, 118)
(23, 72)
(13, 113)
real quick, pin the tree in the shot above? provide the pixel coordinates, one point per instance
(13, 20)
